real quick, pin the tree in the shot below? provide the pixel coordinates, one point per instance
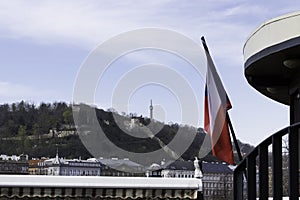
(22, 131)
(27, 145)
(68, 116)
(21, 137)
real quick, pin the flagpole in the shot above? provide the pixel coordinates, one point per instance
(227, 115)
(204, 44)
(236, 144)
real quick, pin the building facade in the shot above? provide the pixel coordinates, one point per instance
(14, 164)
(36, 167)
(121, 167)
(217, 181)
(217, 178)
(178, 169)
(66, 167)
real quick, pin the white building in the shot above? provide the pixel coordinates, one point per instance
(217, 178)
(71, 167)
(178, 169)
(13, 157)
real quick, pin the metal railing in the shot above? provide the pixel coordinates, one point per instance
(262, 170)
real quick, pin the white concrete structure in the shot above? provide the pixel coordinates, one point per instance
(272, 32)
(272, 57)
(103, 187)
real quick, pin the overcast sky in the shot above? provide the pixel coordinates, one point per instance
(44, 44)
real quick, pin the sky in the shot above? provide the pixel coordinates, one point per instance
(44, 45)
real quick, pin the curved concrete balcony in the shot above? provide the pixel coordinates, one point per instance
(99, 187)
(272, 66)
(272, 57)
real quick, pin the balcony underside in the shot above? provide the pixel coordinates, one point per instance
(266, 72)
(272, 57)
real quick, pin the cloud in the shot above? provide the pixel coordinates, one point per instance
(11, 92)
(87, 23)
(79, 23)
(225, 24)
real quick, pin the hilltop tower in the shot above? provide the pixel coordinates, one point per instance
(151, 110)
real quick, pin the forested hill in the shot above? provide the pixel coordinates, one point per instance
(39, 130)
(29, 119)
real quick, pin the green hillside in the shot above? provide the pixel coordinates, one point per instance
(40, 130)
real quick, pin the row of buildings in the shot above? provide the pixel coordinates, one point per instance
(217, 178)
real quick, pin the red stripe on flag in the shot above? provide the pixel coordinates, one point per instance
(222, 147)
(216, 104)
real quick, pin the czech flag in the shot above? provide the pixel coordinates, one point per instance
(216, 105)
